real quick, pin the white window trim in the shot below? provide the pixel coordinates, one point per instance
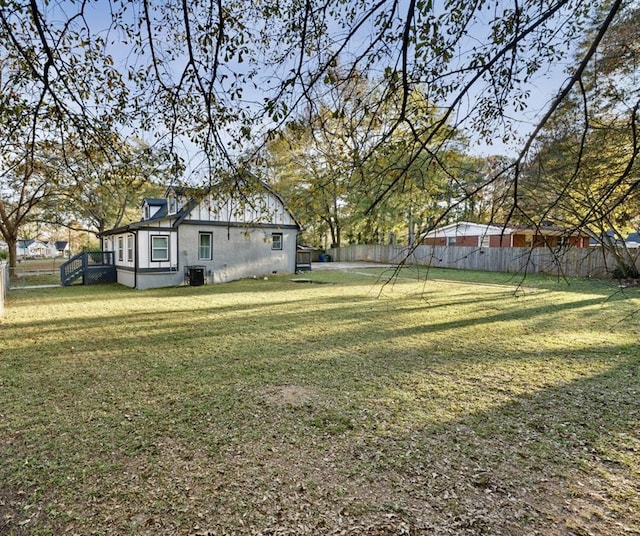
(130, 248)
(172, 205)
(120, 249)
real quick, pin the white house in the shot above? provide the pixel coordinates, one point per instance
(216, 236)
(35, 249)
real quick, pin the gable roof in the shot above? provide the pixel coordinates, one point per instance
(195, 196)
(161, 205)
(465, 228)
(480, 229)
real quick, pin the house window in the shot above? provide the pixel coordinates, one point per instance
(451, 241)
(120, 248)
(204, 246)
(130, 248)
(173, 205)
(276, 241)
(159, 248)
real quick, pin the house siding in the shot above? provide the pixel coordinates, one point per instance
(467, 234)
(145, 259)
(467, 241)
(241, 242)
(149, 280)
(265, 208)
(126, 278)
(432, 241)
(239, 251)
(499, 241)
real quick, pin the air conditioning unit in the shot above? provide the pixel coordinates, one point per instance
(196, 276)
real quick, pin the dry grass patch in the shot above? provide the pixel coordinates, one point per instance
(271, 407)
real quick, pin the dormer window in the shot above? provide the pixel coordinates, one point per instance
(172, 205)
(147, 212)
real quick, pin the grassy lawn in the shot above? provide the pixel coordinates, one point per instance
(446, 406)
(33, 272)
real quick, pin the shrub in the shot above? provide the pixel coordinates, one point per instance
(625, 271)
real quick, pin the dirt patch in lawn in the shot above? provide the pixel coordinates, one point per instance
(290, 395)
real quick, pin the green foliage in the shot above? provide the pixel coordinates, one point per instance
(211, 77)
(349, 170)
(104, 188)
(585, 172)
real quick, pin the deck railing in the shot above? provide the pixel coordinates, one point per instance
(80, 265)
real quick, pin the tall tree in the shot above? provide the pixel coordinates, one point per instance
(27, 183)
(103, 190)
(339, 164)
(218, 73)
(586, 171)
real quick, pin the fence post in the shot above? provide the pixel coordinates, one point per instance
(4, 284)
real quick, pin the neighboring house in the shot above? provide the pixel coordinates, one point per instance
(481, 235)
(34, 249)
(609, 238)
(633, 240)
(62, 248)
(203, 232)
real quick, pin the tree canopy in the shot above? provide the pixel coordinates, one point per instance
(211, 78)
(584, 170)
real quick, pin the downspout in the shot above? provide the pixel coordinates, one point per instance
(135, 260)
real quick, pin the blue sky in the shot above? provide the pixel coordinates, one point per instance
(542, 88)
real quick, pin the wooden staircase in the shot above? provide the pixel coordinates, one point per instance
(92, 266)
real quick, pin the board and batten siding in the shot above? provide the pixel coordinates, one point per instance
(144, 249)
(578, 262)
(263, 209)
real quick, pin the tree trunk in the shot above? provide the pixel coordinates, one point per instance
(12, 243)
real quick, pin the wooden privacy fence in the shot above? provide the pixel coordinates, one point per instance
(581, 262)
(4, 284)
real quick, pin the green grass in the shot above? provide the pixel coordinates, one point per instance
(461, 403)
(35, 272)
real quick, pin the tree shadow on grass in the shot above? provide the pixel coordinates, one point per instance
(196, 328)
(474, 457)
(559, 460)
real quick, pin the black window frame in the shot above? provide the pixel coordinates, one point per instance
(153, 258)
(210, 256)
(278, 246)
